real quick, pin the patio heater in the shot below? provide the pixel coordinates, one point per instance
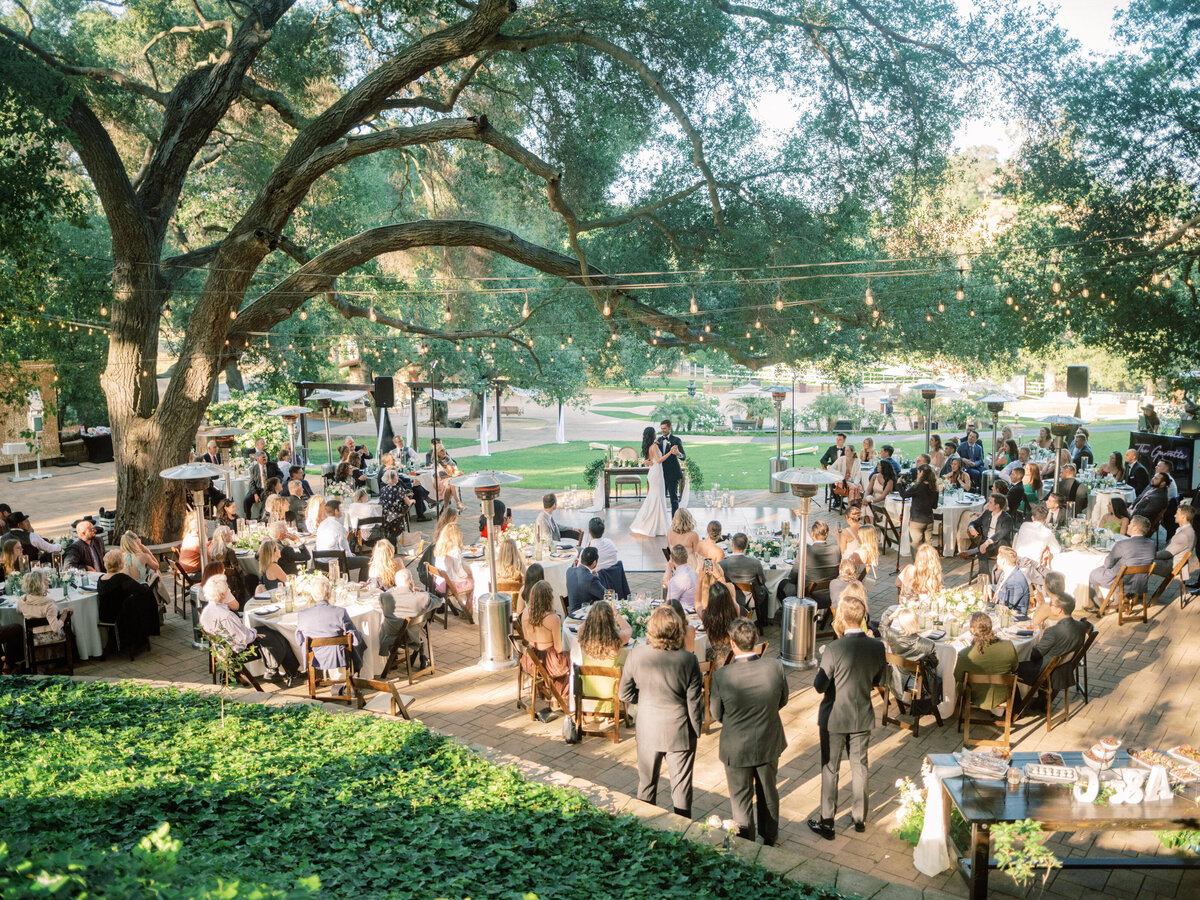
(995, 403)
(195, 477)
(493, 611)
(325, 402)
(291, 415)
(226, 438)
(778, 463)
(798, 648)
(929, 390)
(1060, 427)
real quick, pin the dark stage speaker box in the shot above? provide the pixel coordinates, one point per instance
(385, 395)
(1077, 381)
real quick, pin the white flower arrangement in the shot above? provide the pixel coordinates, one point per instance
(311, 587)
(251, 538)
(636, 613)
(338, 490)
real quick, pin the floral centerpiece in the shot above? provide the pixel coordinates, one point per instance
(959, 602)
(763, 548)
(338, 490)
(12, 587)
(239, 464)
(637, 614)
(306, 584)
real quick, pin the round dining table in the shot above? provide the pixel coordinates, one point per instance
(1100, 501)
(952, 510)
(85, 622)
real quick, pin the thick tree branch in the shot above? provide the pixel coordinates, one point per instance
(432, 103)
(263, 97)
(175, 267)
(526, 42)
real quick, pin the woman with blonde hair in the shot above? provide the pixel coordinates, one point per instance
(447, 470)
(848, 466)
(271, 574)
(542, 630)
(449, 516)
(866, 548)
(381, 574)
(10, 557)
(447, 557)
(276, 509)
(314, 515)
(189, 546)
(142, 566)
(35, 603)
(510, 564)
(868, 457)
(683, 531)
(221, 549)
(986, 655)
(848, 534)
(923, 576)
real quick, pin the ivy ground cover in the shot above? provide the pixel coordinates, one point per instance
(128, 791)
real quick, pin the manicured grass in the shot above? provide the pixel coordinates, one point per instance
(318, 453)
(303, 804)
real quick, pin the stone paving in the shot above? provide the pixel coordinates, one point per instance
(1143, 686)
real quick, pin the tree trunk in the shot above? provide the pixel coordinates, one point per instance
(233, 378)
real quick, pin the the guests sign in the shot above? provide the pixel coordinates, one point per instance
(1179, 452)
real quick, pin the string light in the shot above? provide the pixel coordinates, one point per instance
(868, 299)
(1154, 278)
(1084, 293)
(304, 315)
(104, 310)
(446, 314)
(1167, 282)
(757, 322)
(707, 328)
(695, 308)
(233, 314)
(941, 306)
(607, 309)
(371, 315)
(525, 307)
(1009, 300)
(1057, 286)
(961, 292)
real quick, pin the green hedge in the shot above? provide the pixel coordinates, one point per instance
(124, 790)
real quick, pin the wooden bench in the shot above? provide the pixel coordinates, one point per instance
(510, 410)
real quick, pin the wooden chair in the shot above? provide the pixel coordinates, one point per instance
(1176, 573)
(510, 586)
(967, 709)
(909, 698)
(242, 676)
(345, 641)
(451, 597)
(400, 646)
(182, 581)
(1080, 666)
(1042, 687)
(628, 454)
(325, 557)
(59, 650)
(538, 681)
(583, 699)
(387, 700)
(1124, 602)
(370, 531)
(889, 526)
(939, 530)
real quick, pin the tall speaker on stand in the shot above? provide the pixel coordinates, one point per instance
(1077, 386)
(385, 398)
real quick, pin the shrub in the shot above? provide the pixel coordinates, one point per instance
(370, 806)
(826, 409)
(689, 413)
(250, 411)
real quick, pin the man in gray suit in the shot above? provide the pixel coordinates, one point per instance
(1182, 541)
(663, 680)
(1138, 550)
(821, 564)
(850, 668)
(1063, 636)
(549, 527)
(743, 569)
(324, 621)
(400, 604)
(746, 698)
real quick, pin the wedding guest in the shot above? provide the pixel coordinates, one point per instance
(11, 556)
(226, 514)
(324, 621)
(679, 581)
(821, 564)
(1115, 466)
(848, 535)
(689, 631)
(121, 600)
(922, 578)
(957, 478)
(1056, 513)
(35, 603)
(868, 457)
(664, 680)
(315, 514)
(1062, 638)
(986, 655)
(36, 547)
(144, 568)
(448, 558)
(847, 575)
(1138, 550)
(742, 569)
(189, 546)
(866, 551)
(850, 488)
(937, 455)
(606, 550)
(994, 530)
(221, 549)
(1011, 588)
(360, 507)
(718, 615)
(549, 525)
(402, 602)
(87, 551)
(746, 698)
(394, 501)
(923, 493)
(510, 563)
(602, 640)
(1183, 541)
(1035, 537)
(707, 548)
(851, 667)
(683, 532)
(271, 574)
(583, 587)
(533, 575)
(331, 535)
(542, 629)
(901, 634)
(218, 618)
(835, 451)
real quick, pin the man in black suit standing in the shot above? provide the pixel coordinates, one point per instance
(746, 698)
(664, 681)
(672, 473)
(1139, 550)
(850, 669)
(1136, 475)
(994, 528)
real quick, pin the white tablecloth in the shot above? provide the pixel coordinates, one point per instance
(239, 487)
(1100, 501)
(947, 654)
(952, 518)
(85, 622)
(570, 640)
(367, 618)
(1076, 566)
(555, 571)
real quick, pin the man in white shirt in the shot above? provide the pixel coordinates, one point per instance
(549, 527)
(1035, 537)
(331, 535)
(680, 579)
(1022, 460)
(606, 548)
(33, 544)
(218, 619)
(360, 508)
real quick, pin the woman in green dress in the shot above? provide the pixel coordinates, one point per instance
(986, 655)
(602, 641)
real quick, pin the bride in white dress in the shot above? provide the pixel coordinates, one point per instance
(651, 519)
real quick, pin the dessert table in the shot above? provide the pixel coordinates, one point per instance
(85, 622)
(984, 803)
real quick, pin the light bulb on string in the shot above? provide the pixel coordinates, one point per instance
(658, 332)
(232, 314)
(960, 293)
(707, 329)
(570, 339)
(104, 310)
(747, 334)
(757, 322)
(1167, 282)
(304, 315)
(941, 306)
(868, 299)
(874, 314)
(525, 308)
(779, 304)
(607, 309)
(1155, 278)
(1084, 293)
(371, 315)
(695, 308)
(1057, 286)
(1009, 300)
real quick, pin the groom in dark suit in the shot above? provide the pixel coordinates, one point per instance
(672, 473)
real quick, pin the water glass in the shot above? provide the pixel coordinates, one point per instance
(952, 627)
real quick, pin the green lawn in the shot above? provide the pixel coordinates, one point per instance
(122, 790)
(318, 453)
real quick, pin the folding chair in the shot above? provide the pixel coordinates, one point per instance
(909, 698)
(387, 700)
(322, 558)
(401, 646)
(584, 699)
(539, 681)
(1080, 663)
(370, 531)
(60, 649)
(966, 717)
(1043, 687)
(1125, 602)
(890, 527)
(241, 676)
(451, 597)
(182, 582)
(1176, 572)
(345, 641)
